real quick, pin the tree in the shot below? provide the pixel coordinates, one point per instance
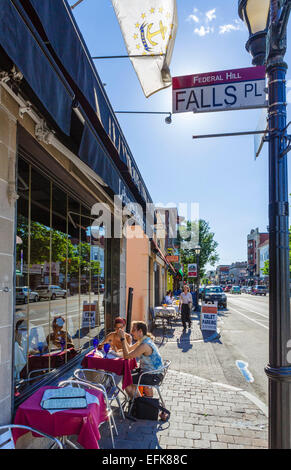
(198, 233)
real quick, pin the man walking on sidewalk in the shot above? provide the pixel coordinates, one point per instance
(185, 306)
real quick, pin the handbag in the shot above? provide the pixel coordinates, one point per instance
(147, 408)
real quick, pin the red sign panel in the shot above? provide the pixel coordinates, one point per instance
(219, 78)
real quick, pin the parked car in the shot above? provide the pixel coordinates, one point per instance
(22, 294)
(201, 292)
(243, 289)
(99, 290)
(51, 292)
(215, 294)
(259, 290)
(235, 290)
(249, 290)
(227, 288)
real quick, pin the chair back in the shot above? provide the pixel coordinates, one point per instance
(166, 366)
(94, 376)
(7, 441)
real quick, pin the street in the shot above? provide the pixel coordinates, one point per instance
(244, 337)
(42, 313)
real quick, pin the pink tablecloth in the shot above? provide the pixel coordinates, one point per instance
(117, 365)
(82, 422)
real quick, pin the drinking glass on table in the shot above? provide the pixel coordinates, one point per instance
(106, 348)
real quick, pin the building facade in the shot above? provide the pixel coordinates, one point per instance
(254, 240)
(65, 167)
(222, 274)
(264, 256)
(238, 273)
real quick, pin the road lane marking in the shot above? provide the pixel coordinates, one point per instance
(243, 367)
(251, 319)
(249, 310)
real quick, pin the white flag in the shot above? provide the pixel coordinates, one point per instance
(149, 29)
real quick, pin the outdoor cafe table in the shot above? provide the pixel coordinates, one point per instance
(82, 422)
(54, 359)
(117, 365)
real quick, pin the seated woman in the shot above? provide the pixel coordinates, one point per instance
(150, 359)
(113, 338)
(168, 298)
(59, 336)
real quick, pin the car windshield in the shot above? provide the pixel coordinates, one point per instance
(44, 286)
(211, 290)
(261, 287)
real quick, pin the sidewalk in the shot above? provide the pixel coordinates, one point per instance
(204, 414)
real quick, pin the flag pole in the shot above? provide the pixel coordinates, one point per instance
(127, 56)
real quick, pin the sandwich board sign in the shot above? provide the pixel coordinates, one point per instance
(220, 91)
(90, 316)
(208, 319)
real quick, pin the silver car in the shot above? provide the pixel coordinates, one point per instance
(51, 292)
(22, 294)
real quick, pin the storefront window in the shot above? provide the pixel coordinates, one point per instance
(60, 277)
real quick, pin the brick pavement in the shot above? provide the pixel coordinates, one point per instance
(204, 414)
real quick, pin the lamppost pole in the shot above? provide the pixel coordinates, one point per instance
(198, 279)
(278, 370)
(271, 52)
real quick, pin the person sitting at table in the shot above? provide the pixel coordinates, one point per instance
(59, 336)
(149, 356)
(168, 298)
(19, 350)
(113, 338)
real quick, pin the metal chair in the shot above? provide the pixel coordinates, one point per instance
(6, 438)
(93, 376)
(100, 387)
(162, 370)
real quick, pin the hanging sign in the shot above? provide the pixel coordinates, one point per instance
(220, 91)
(192, 270)
(172, 258)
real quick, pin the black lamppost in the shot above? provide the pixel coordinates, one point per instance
(267, 21)
(197, 251)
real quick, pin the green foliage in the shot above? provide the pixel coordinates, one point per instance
(199, 233)
(266, 264)
(44, 240)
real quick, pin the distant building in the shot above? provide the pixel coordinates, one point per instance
(263, 257)
(238, 272)
(222, 274)
(254, 240)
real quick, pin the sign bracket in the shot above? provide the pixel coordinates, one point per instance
(228, 134)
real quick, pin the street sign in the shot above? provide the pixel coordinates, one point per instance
(220, 91)
(192, 270)
(172, 258)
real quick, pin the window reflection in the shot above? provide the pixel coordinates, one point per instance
(60, 278)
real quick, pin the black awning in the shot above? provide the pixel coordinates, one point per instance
(19, 40)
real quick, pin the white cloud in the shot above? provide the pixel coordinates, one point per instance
(202, 31)
(227, 28)
(210, 15)
(194, 18)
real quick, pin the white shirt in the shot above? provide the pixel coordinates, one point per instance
(185, 298)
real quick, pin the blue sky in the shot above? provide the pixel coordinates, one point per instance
(220, 174)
